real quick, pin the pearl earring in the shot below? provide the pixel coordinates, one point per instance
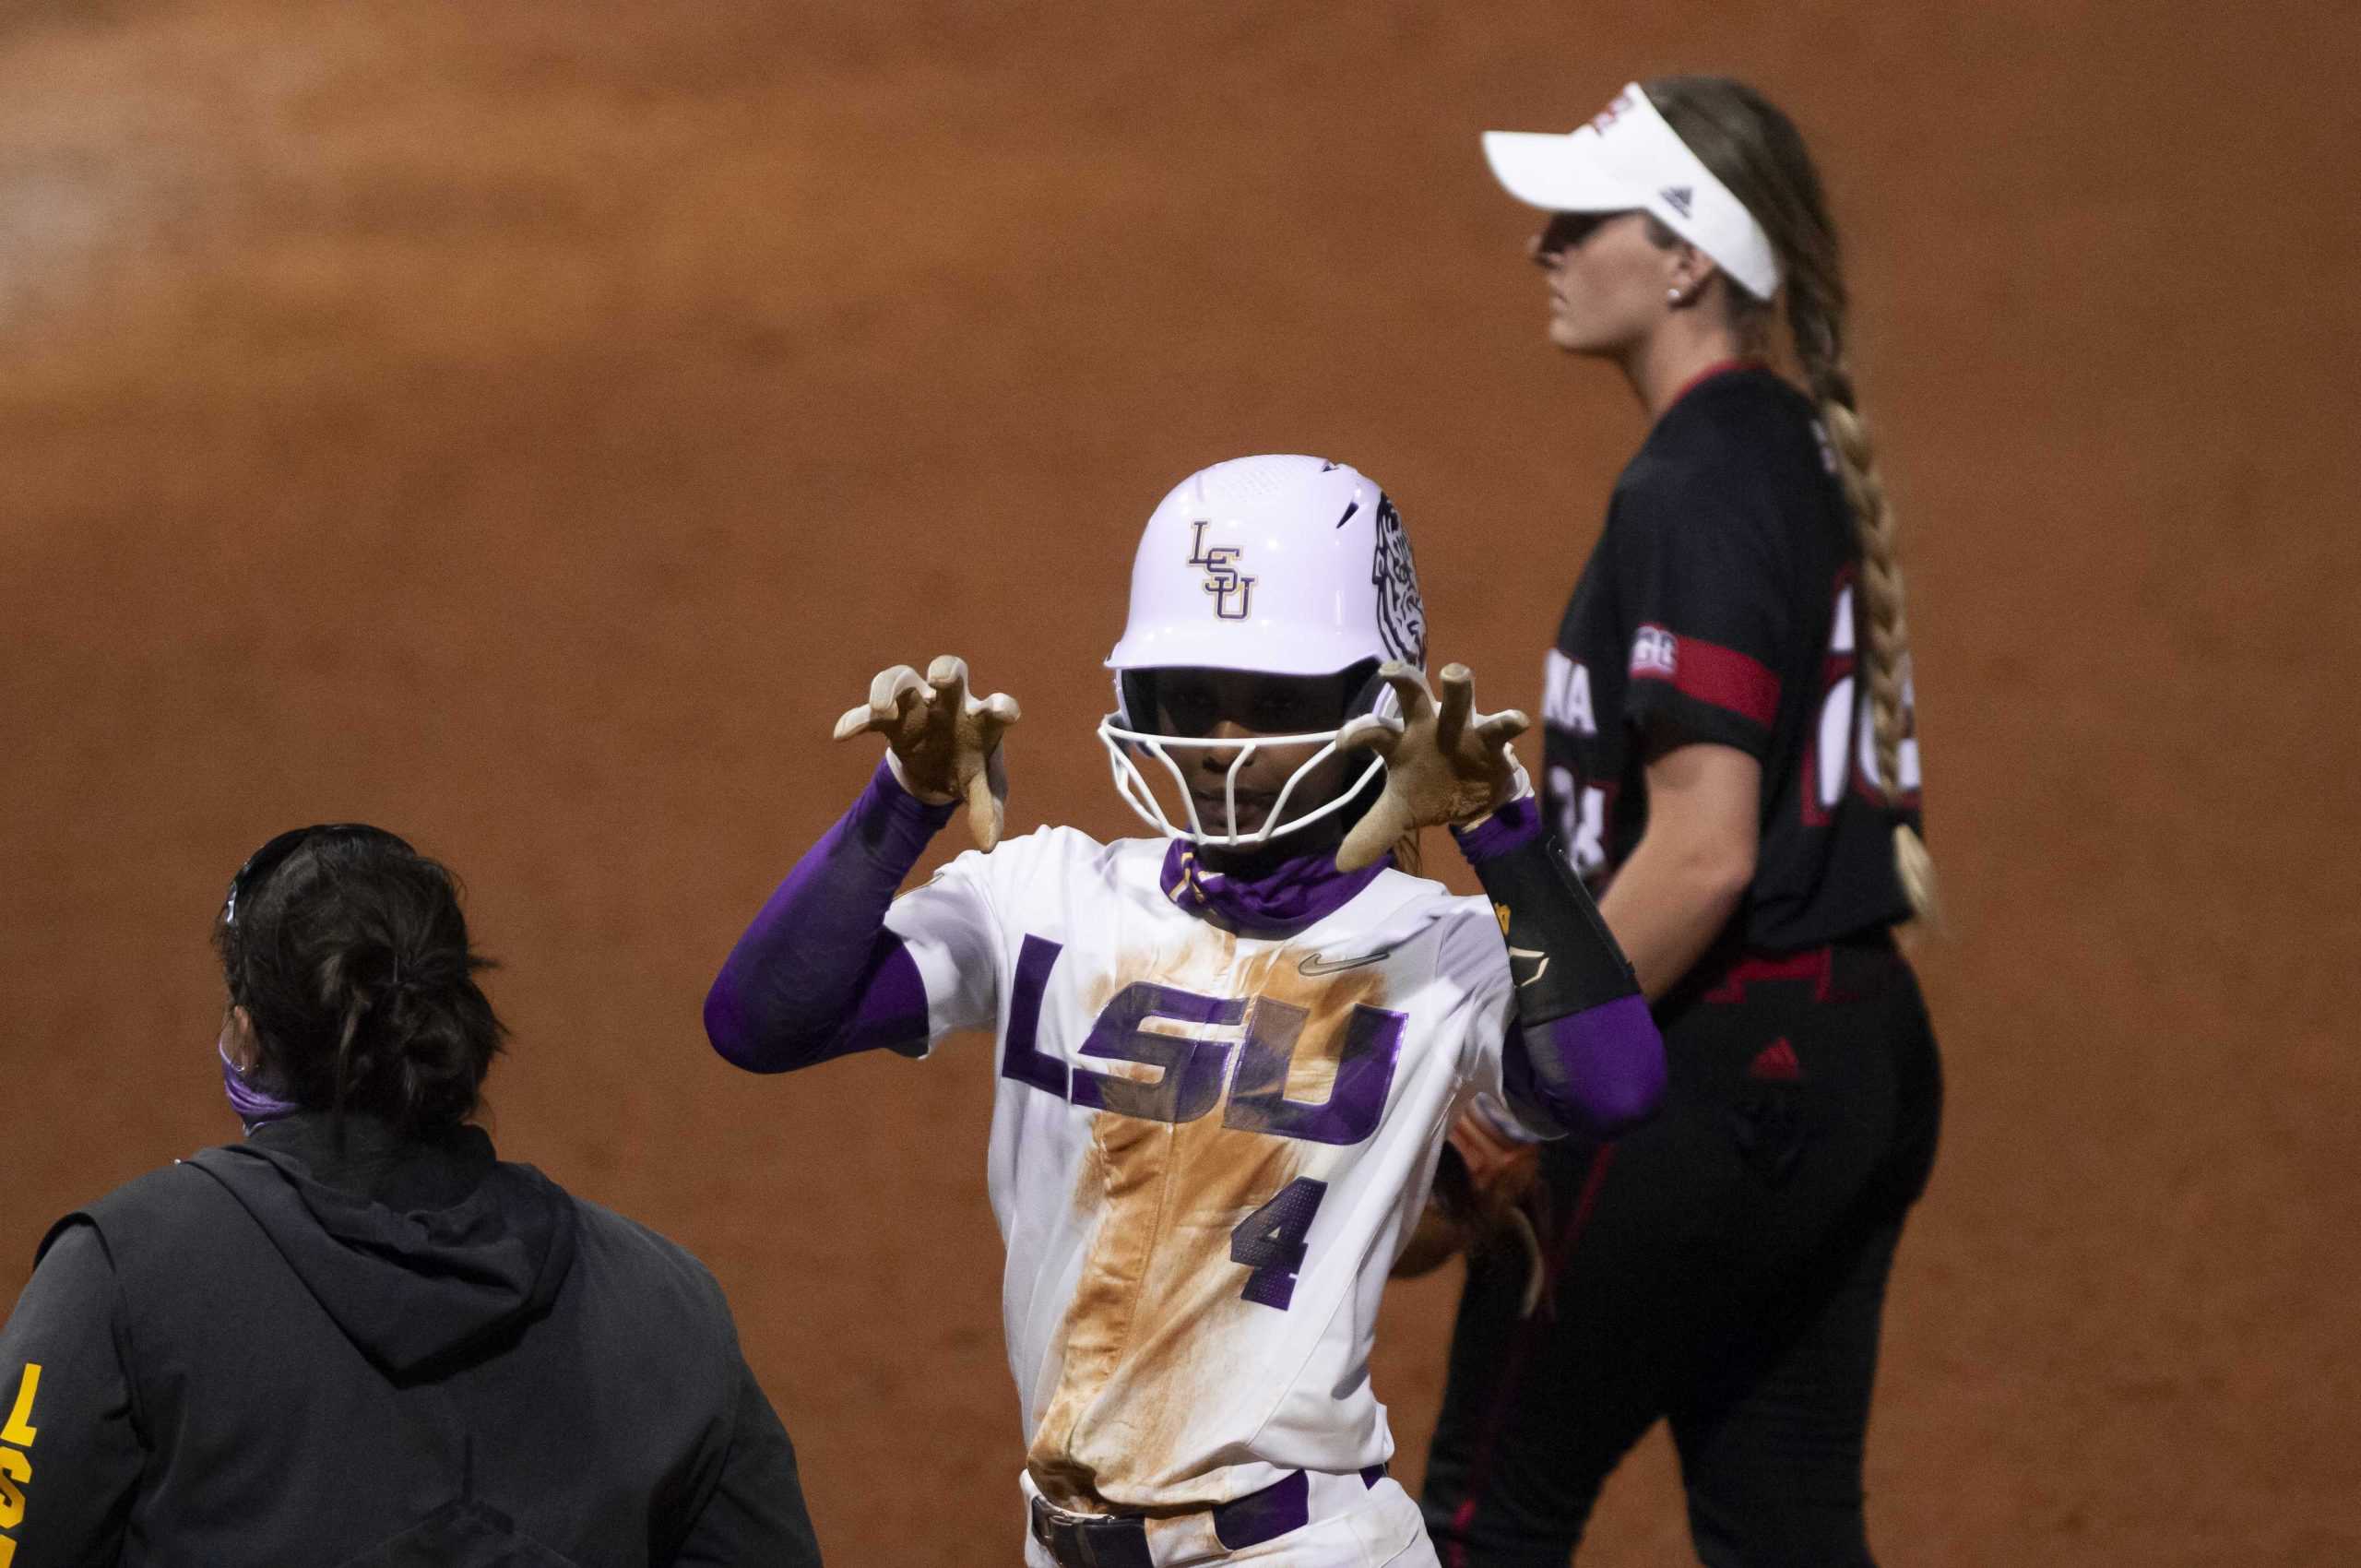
(1672, 296)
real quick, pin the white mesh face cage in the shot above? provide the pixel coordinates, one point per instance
(1125, 745)
(1278, 566)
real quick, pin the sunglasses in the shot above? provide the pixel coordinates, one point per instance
(273, 854)
(1567, 230)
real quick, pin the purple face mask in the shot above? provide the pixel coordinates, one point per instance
(1285, 898)
(255, 1106)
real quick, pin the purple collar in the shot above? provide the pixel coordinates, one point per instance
(1291, 896)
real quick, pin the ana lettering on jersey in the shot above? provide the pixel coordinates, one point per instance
(1565, 696)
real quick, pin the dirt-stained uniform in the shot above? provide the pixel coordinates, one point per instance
(1223, 1084)
(1723, 1266)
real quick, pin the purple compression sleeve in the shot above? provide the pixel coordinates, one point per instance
(1595, 1072)
(817, 975)
(1587, 1055)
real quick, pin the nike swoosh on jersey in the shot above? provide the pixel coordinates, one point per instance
(1319, 964)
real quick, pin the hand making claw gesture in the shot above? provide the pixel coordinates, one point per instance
(1445, 763)
(946, 743)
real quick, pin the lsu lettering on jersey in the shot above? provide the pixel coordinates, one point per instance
(1207, 1150)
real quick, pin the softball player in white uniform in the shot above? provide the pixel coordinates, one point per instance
(1227, 1054)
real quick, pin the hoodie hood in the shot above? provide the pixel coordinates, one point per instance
(411, 1287)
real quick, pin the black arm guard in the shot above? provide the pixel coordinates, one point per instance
(1560, 953)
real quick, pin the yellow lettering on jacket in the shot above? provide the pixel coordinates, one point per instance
(19, 1429)
(15, 1468)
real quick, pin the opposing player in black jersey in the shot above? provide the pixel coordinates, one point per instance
(1731, 761)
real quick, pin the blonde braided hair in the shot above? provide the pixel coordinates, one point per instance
(1757, 153)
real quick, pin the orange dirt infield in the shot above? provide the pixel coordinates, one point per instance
(528, 426)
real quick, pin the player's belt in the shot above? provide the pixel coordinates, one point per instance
(1120, 1540)
(1842, 971)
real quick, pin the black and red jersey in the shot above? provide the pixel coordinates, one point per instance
(1719, 606)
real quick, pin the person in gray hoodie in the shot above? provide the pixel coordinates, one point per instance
(360, 1338)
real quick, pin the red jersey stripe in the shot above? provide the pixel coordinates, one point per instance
(1709, 672)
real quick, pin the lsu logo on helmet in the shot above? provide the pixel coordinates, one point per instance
(1233, 593)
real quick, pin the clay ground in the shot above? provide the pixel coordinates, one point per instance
(528, 426)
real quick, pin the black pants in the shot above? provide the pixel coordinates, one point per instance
(1723, 1267)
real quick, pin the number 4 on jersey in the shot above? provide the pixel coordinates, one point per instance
(1271, 1242)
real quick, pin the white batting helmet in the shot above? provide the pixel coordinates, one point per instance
(1280, 566)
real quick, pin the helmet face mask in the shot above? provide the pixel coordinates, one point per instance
(1283, 567)
(1126, 747)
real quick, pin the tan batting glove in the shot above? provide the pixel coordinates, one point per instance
(1445, 763)
(946, 743)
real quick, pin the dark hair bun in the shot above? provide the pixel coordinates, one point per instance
(352, 957)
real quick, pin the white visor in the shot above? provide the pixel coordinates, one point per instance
(1630, 160)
